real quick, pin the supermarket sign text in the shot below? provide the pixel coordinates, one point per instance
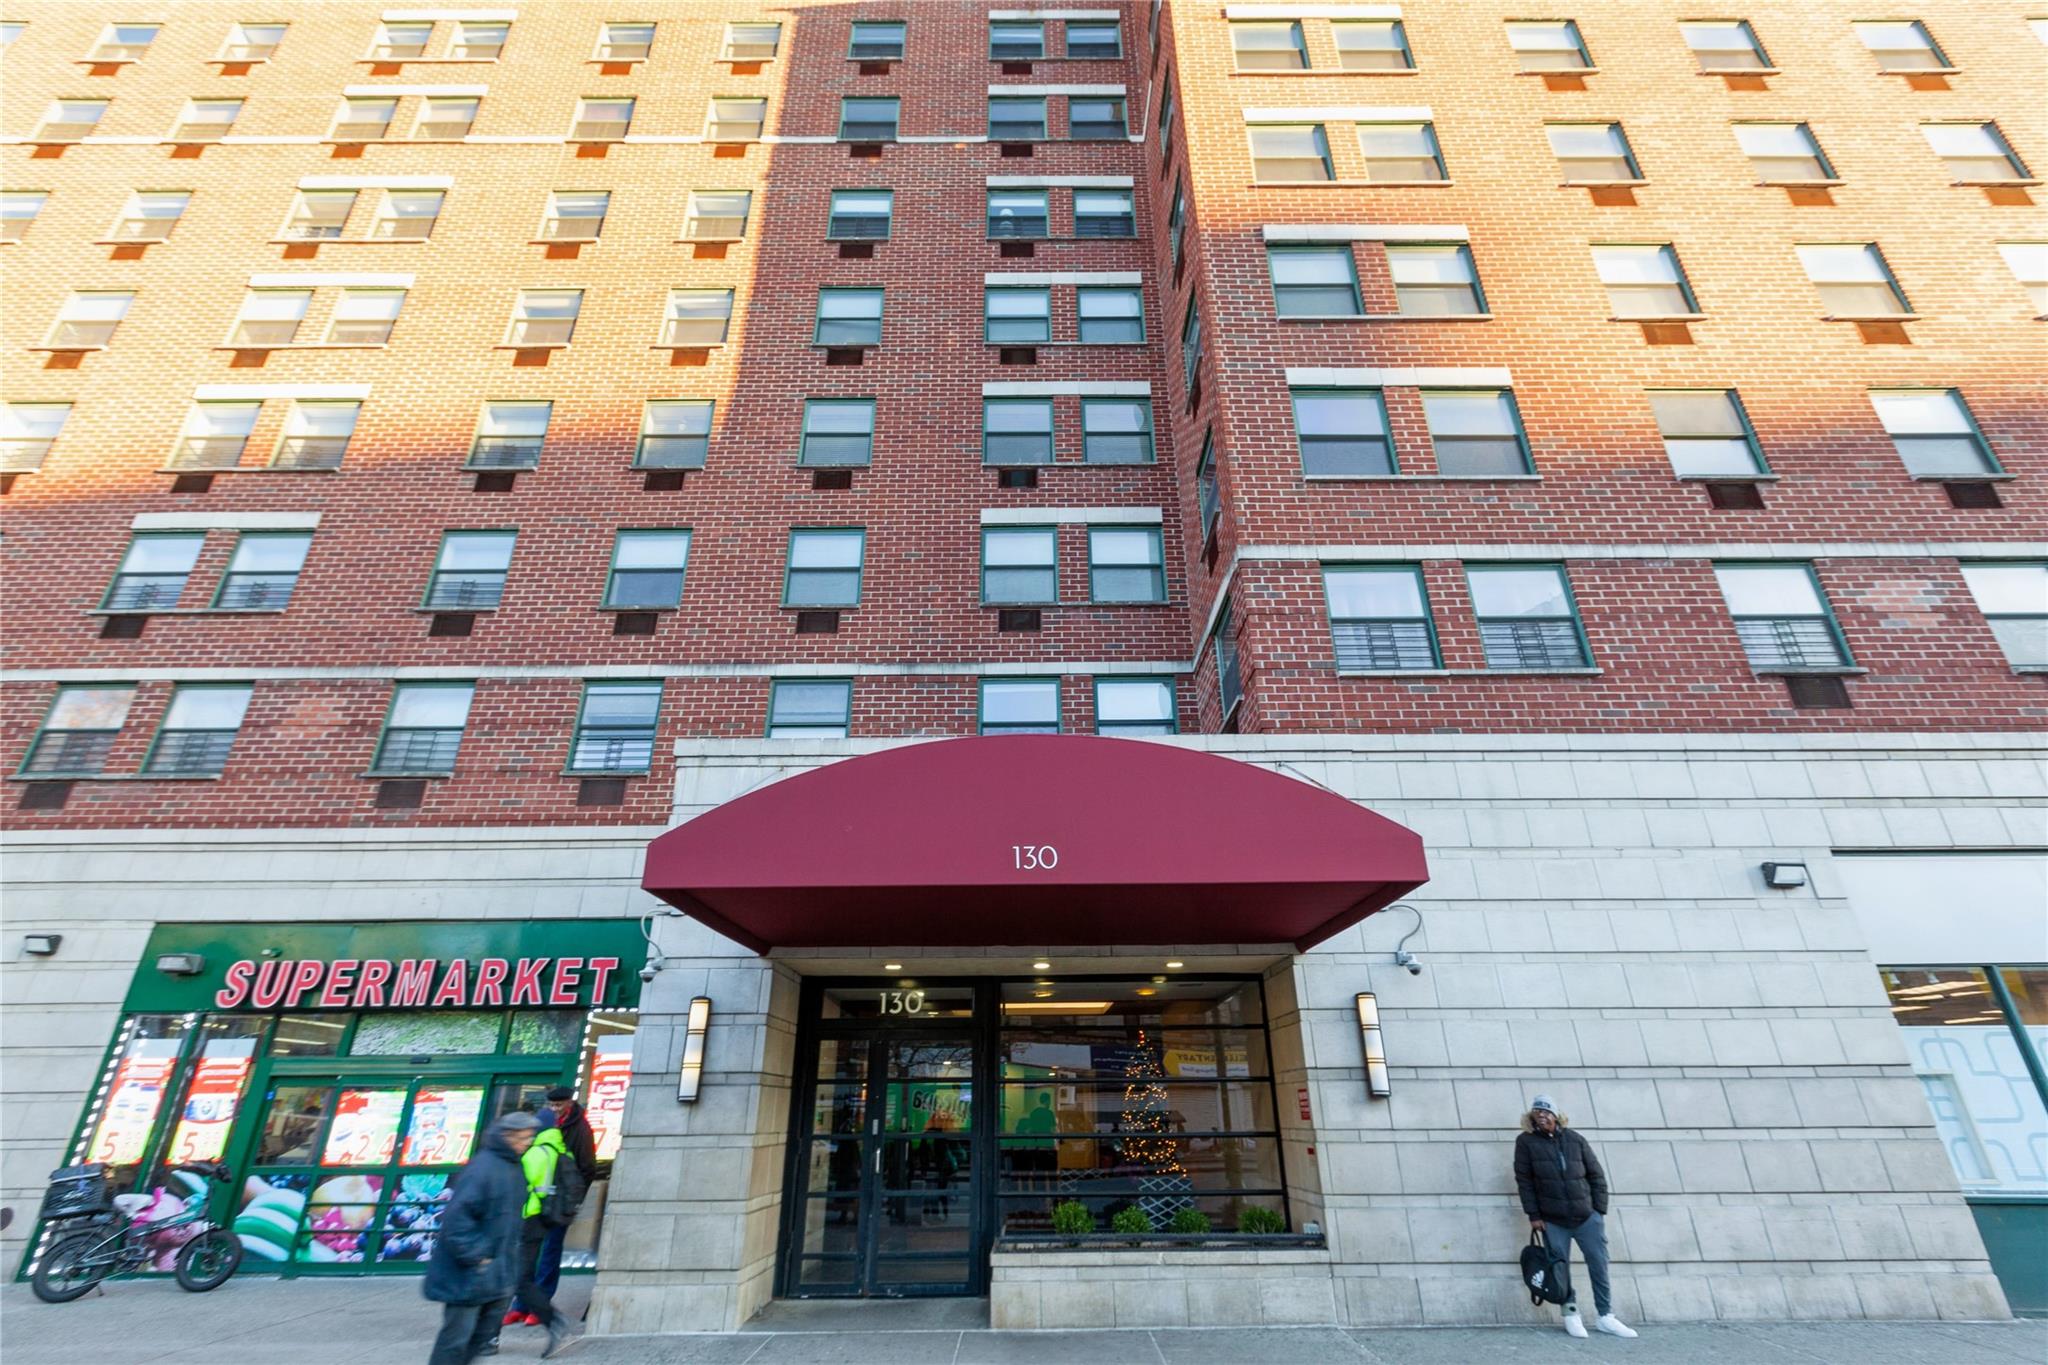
(346, 983)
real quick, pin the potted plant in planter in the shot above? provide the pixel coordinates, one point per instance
(1131, 1221)
(1189, 1223)
(1259, 1221)
(1071, 1219)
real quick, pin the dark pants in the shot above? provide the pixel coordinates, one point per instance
(534, 1297)
(1591, 1236)
(465, 1329)
(547, 1272)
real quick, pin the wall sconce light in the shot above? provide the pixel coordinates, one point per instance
(41, 945)
(1376, 1083)
(181, 964)
(1784, 876)
(693, 1050)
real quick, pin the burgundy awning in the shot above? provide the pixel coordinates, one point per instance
(1036, 840)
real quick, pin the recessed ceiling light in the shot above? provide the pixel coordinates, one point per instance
(1041, 966)
(1147, 990)
(1173, 966)
(892, 966)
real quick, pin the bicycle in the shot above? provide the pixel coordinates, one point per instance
(113, 1242)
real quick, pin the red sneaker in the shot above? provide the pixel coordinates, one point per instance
(533, 1319)
(513, 1317)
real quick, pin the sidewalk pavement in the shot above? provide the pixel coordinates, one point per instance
(384, 1321)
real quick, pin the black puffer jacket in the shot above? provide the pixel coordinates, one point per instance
(476, 1256)
(1559, 1178)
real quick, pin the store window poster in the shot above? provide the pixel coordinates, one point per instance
(443, 1127)
(213, 1099)
(611, 1076)
(365, 1128)
(133, 1101)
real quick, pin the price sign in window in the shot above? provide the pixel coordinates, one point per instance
(365, 1128)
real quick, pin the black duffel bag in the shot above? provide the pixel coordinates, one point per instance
(1548, 1278)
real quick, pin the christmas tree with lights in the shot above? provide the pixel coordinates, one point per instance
(1147, 1128)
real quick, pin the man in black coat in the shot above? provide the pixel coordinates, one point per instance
(475, 1264)
(1564, 1192)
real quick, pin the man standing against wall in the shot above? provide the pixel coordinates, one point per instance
(1564, 1192)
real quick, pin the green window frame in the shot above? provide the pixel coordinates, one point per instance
(1643, 280)
(1105, 213)
(797, 708)
(470, 569)
(153, 571)
(78, 730)
(1131, 716)
(1528, 618)
(1380, 618)
(1268, 45)
(1901, 45)
(1783, 152)
(1790, 636)
(2013, 596)
(1110, 315)
(717, 215)
(1593, 153)
(616, 725)
(1177, 222)
(1208, 491)
(823, 583)
(675, 433)
(1017, 706)
(263, 571)
(1314, 281)
(869, 118)
(1016, 118)
(1853, 279)
(198, 729)
(510, 434)
(1019, 327)
(1016, 431)
(1117, 431)
(1706, 434)
(837, 433)
(876, 40)
(1097, 118)
(1724, 45)
(1020, 566)
(1549, 45)
(1402, 153)
(1284, 153)
(1467, 448)
(1166, 112)
(1191, 348)
(423, 729)
(1126, 564)
(851, 216)
(1093, 48)
(1935, 433)
(647, 569)
(1223, 645)
(1343, 433)
(848, 317)
(1435, 279)
(1357, 50)
(1019, 214)
(1016, 40)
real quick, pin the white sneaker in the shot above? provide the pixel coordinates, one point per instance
(1573, 1326)
(1614, 1326)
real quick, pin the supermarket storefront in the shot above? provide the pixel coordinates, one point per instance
(344, 1072)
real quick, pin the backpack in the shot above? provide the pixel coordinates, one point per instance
(1546, 1277)
(559, 1206)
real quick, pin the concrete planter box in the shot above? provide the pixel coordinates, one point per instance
(1187, 1285)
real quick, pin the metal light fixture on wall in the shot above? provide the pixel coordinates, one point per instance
(693, 1050)
(1376, 1083)
(181, 964)
(1784, 876)
(41, 945)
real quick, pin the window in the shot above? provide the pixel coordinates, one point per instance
(150, 215)
(316, 435)
(1134, 706)
(1435, 281)
(1781, 617)
(206, 120)
(1342, 433)
(510, 435)
(601, 120)
(1933, 433)
(1902, 45)
(2014, 599)
(868, 119)
(123, 43)
(624, 42)
(824, 567)
(89, 319)
(1526, 617)
(153, 572)
(848, 317)
(752, 42)
(544, 317)
(718, 215)
(647, 570)
(364, 317)
(1093, 117)
(1104, 213)
(400, 42)
(27, 431)
(1191, 349)
(443, 119)
(1020, 565)
(1476, 434)
(1208, 493)
(1269, 47)
(1853, 280)
(860, 214)
(1375, 46)
(252, 42)
(1016, 119)
(1549, 45)
(809, 710)
(1644, 281)
(736, 120)
(318, 215)
(263, 571)
(469, 573)
(1126, 564)
(615, 727)
(697, 317)
(478, 42)
(675, 433)
(1315, 281)
(18, 208)
(406, 215)
(1725, 45)
(1111, 316)
(1011, 40)
(1593, 153)
(270, 317)
(214, 435)
(1017, 315)
(78, 731)
(69, 120)
(1401, 153)
(1166, 126)
(1016, 431)
(1974, 152)
(1229, 673)
(1116, 430)
(198, 730)
(1379, 618)
(423, 728)
(2028, 262)
(1095, 40)
(875, 41)
(1782, 152)
(1018, 213)
(575, 217)
(838, 431)
(1177, 223)
(1706, 434)
(363, 120)
(1020, 706)
(1283, 152)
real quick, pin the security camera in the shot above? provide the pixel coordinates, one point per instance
(1404, 958)
(647, 972)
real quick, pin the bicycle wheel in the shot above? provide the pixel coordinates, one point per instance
(66, 1270)
(207, 1260)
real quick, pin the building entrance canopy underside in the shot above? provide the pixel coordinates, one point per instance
(1070, 840)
